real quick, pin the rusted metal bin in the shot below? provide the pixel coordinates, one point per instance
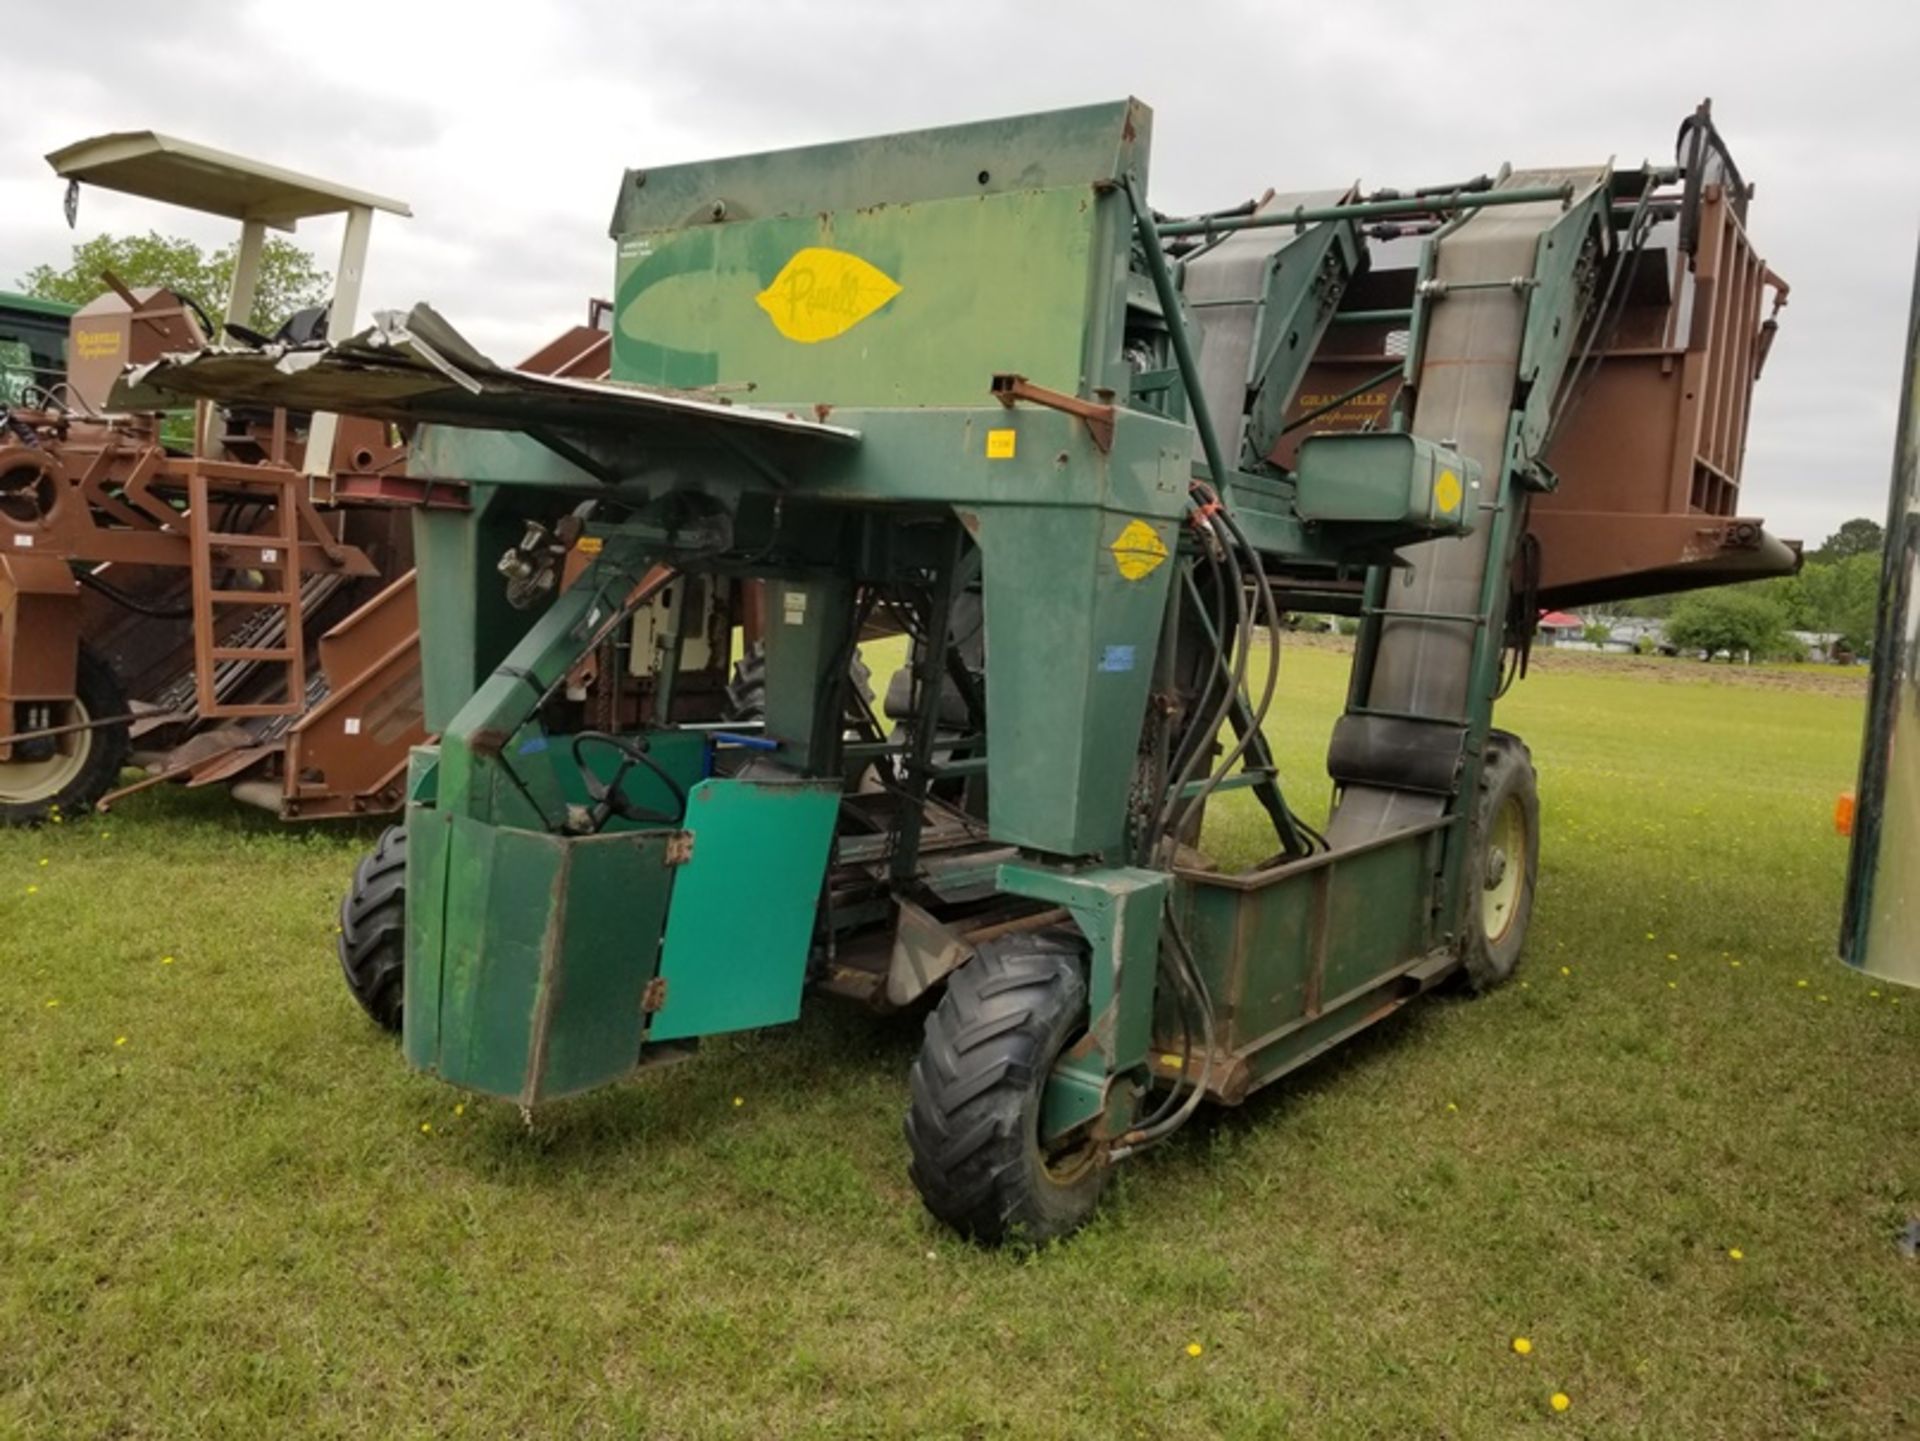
(1648, 455)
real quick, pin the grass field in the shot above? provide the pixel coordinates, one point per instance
(1673, 1157)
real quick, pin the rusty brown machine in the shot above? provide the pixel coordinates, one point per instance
(1644, 461)
(199, 602)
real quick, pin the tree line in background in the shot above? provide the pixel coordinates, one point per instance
(288, 279)
(1836, 594)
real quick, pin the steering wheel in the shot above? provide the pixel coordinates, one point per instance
(608, 799)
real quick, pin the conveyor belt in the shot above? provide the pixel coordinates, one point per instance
(1224, 286)
(1470, 361)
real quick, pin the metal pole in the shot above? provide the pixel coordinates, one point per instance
(1364, 210)
(1176, 330)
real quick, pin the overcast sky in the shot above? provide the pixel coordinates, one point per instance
(507, 126)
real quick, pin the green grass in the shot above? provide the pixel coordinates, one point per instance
(237, 1224)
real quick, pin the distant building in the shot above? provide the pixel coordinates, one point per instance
(1558, 626)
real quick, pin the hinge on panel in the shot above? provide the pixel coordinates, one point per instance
(679, 848)
(654, 997)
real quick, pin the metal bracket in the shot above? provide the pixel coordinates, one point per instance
(1007, 389)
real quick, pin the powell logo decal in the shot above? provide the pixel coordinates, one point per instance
(821, 293)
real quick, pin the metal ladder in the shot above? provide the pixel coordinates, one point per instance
(274, 638)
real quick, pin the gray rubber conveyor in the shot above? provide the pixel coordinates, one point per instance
(1465, 398)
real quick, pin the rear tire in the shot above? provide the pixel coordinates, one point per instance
(373, 930)
(973, 1127)
(71, 772)
(1503, 862)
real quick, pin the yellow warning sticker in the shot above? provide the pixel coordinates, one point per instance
(1138, 551)
(821, 293)
(1000, 444)
(1447, 492)
(588, 545)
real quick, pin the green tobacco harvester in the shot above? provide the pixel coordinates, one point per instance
(966, 388)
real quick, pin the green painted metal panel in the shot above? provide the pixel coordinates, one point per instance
(904, 271)
(421, 976)
(1277, 947)
(538, 959)
(1083, 146)
(1386, 478)
(1074, 603)
(899, 305)
(743, 907)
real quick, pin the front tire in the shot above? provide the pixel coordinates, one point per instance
(1503, 862)
(973, 1127)
(65, 775)
(373, 929)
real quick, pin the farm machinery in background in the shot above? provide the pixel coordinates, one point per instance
(171, 595)
(965, 384)
(232, 608)
(1880, 930)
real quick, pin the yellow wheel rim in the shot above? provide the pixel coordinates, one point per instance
(23, 782)
(1505, 870)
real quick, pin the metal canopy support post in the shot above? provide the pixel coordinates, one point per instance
(246, 275)
(346, 301)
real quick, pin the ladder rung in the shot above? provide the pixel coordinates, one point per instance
(232, 540)
(251, 652)
(243, 712)
(253, 597)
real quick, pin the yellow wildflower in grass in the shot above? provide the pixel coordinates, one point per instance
(1734, 964)
(459, 1108)
(33, 890)
(1451, 1106)
(166, 960)
(1673, 985)
(119, 1040)
(43, 860)
(1801, 984)
(51, 1004)
(739, 1100)
(1823, 998)
(1673, 955)
(1522, 1346)
(1873, 995)
(426, 1127)
(1560, 1400)
(1736, 1254)
(1194, 1348)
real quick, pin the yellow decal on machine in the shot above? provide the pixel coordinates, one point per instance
(1000, 444)
(1138, 551)
(1447, 492)
(96, 344)
(821, 293)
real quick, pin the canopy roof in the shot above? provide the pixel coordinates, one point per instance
(159, 167)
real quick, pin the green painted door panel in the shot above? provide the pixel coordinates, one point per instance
(528, 955)
(743, 905)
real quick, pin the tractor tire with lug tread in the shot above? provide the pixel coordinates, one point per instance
(973, 1126)
(373, 929)
(1503, 862)
(80, 767)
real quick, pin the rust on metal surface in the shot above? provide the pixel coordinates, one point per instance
(1650, 448)
(1010, 389)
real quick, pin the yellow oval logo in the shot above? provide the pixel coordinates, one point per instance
(821, 293)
